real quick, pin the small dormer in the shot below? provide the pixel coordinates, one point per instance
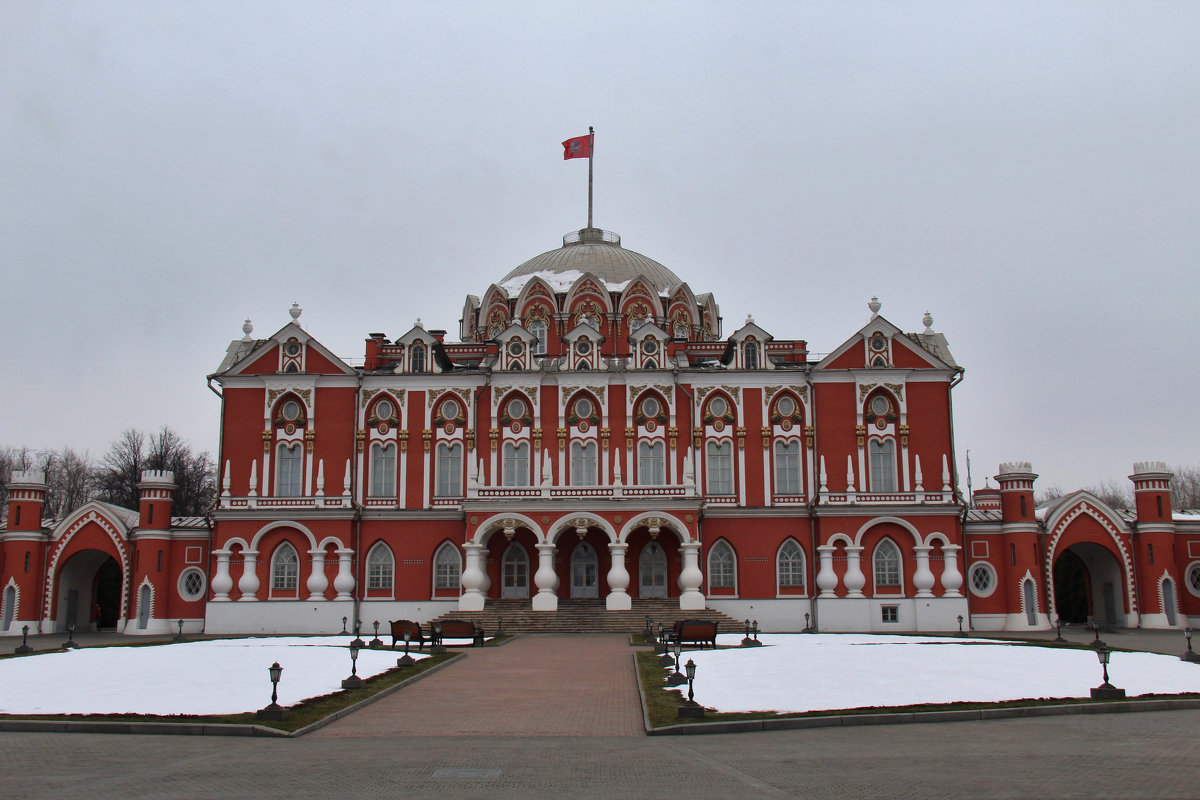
(583, 344)
(289, 351)
(648, 347)
(418, 351)
(748, 347)
(518, 349)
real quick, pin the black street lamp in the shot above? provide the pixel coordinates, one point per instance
(357, 635)
(70, 642)
(23, 647)
(405, 660)
(807, 625)
(1190, 655)
(179, 637)
(376, 642)
(676, 678)
(1058, 627)
(344, 621)
(353, 682)
(274, 712)
(648, 632)
(754, 628)
(1096, 629)
(660, 644)
(960, 630)
(1106, 691)
(746, 640)
(690, 709)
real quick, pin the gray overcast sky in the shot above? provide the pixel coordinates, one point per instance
(1027, 172)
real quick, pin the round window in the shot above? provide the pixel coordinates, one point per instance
(516, 349)
(878, 343)
(718, 406)
(291, 410)
(786, 406)
(516, 409)
(650, 407)
(583, 347)
(450, 409)
(383, 410)
(292, 348)
(583, 407)
(983, 580)
(191, 584)
(650, 347)
(1193, 578)
(880, 406)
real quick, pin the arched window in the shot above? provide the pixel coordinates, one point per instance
(887, 565)
(287, 480)
(787, 467)
(383, 470)
(883, 465)
(790, 564)
(516, 464)
(719, 467)
(380, 567)
(538, 329)
(285, 569)
(449, 470)
(721, 574)
(651, 470)
(751, 354)
(447, 568)
(583, 463)
(418, 358)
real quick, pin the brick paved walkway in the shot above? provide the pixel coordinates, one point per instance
(576, 685)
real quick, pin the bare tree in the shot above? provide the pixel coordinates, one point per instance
(1115, 493)
(120, 471)
(1185, 486)
(1048, 495)
(68, 480)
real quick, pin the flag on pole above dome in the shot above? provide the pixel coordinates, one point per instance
(579, 147)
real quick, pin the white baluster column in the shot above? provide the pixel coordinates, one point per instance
(248, 584)
(222, 582)
(618, 579)
(344, 582)
(952, 579)
(923, 577)
(854, 580)
(826, 578)
(317, 582)
(545, 579)
(473, 579)
(690, 578)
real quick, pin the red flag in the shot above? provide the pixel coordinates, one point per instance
(579, 147)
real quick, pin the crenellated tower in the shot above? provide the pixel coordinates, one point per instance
(152, 568)
(24, 552)
(1154, 543)
(1022, 563)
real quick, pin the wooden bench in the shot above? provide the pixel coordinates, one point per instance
(415, 634)
(694, 631)
(456, 629)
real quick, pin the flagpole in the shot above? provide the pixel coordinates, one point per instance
(591, 152)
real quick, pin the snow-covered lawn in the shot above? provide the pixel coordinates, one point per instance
(812, 672)
(222, 676)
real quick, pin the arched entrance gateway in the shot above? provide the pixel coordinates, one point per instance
(1089, 584)
(88, 591)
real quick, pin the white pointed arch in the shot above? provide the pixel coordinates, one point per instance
(581, 287)
(113, 526)
(1065, 512)
(791, 565)
(535, 290)
(381, 567)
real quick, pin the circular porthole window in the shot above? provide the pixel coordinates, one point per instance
(650, 407)
(450, 409)
(878, 343)
(583, 407)
(1193, 578)
(516, 349)
(291, 411)
(191, 584)
(880, 406)
(650, 347)
(982, 579)
(383, 410)
(786, 406)
(292, 348)
(516, 409)
(718, 406)
(583, 347)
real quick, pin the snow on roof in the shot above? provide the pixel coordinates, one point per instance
(558, 281)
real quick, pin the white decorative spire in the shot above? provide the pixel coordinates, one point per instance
(547, 473)
(850, 475)
(295, 311)
(419, 324)
(321, 478)
(824, 480)
(247, 329)
(479, 475)
(346, 484)
(253, 478)
(874, 305)
(917, 470)
(225, 481)
(749, 319)
(945, 474)
(928, 322)
(616, 469)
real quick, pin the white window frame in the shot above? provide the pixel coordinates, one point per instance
(416, 357)
(447, 568)
(787, 467)
(539, 330)
(1187, 578)
(718, 468)
(182, 584)
(983, 566)
(285, 572)
(750, 355)
(383, 470)
(887, 549)
(381, 568)
(516, 464)
(795, 565)
(722, 563)
(583, 463)
(289, 469)
(652, 463)
(882, 465)
(449, 470)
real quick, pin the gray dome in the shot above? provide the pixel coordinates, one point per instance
(600, 253)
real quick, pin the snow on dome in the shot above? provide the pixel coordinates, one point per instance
(590, 250)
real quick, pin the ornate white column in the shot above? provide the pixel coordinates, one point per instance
(690, 578)
(618, 579)
(222, 582)
(344, 582)
(317, 582)
(952, 579)
(854, 580)
(248, 583)
(545, 579)
(923, 577)
(473, 579)
(826, 578)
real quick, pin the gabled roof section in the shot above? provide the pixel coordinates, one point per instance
(508, 333)
(124, 519)
(748, 329)
(416, 332)
(852, 354)
(1055, 512)
(243, 354)
(646, 330)
(583, 329)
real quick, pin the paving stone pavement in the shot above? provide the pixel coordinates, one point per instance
(569, 685)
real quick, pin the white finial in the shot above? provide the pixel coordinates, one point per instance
(917, 475)
(346, 482)
(247, 329)
(749, 319)
(617, 471)
(824, 481)
(874, 305)
(295, 311)
(226, 481)
(547, 473)
(418, 324)
(253, 478)
(321, 478)
(849, 475)
(928, 321)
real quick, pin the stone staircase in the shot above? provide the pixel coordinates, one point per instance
(586, 616)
